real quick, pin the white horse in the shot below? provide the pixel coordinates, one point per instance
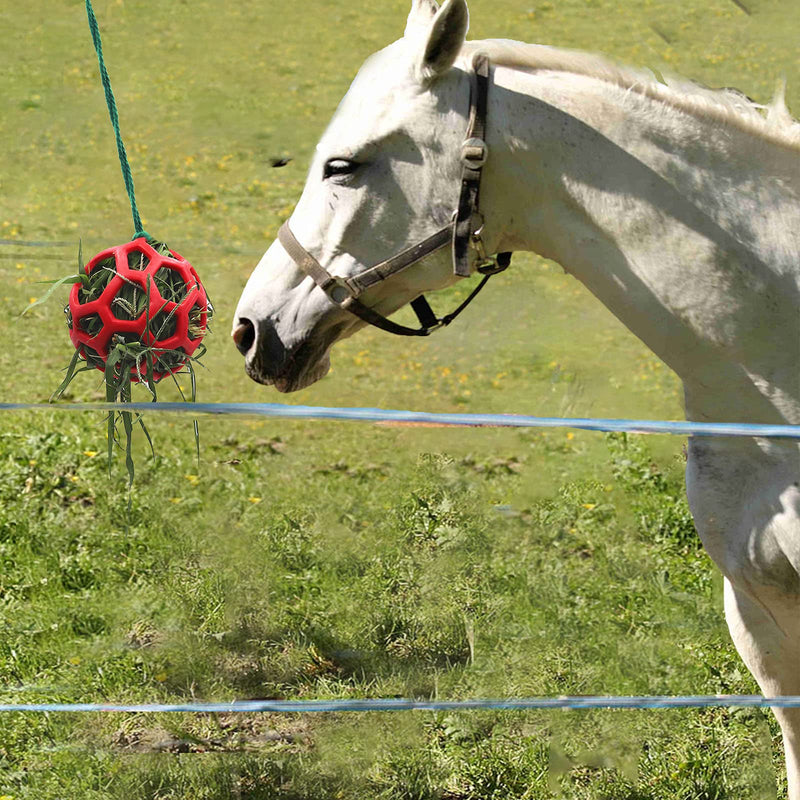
(677, 206)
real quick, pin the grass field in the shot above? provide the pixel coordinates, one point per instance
(434, 563)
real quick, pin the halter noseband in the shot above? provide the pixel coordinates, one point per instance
(462, 233)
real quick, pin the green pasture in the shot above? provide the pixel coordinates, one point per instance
(335, 560)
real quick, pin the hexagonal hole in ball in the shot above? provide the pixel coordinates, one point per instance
(137, 259)
(170, 284)
(91, 324)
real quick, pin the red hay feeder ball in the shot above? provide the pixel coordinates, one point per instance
(112, 307)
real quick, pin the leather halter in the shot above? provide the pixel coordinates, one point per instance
(462, 233)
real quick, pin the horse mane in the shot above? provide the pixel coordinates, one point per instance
(772, 121)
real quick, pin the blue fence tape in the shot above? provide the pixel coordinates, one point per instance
(330, 706)
(282, 411)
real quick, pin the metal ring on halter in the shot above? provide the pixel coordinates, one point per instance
(338, 291)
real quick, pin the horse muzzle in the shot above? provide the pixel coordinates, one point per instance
(268, 361)
(265, 354)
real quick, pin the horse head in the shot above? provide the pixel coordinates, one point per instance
(385, 175)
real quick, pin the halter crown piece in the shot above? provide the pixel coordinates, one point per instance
(463, 233)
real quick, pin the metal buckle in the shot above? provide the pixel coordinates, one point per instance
(477, 224)
(474, 153)
(486, 265)
(440, 323)
(337, 290)
(476, 241)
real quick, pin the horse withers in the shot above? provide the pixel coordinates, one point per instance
(676, 205)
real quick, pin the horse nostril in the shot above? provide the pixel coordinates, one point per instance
(244, 335)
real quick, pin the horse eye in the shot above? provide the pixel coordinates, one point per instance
(339, 166)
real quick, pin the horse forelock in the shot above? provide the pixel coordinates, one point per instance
(772, 121)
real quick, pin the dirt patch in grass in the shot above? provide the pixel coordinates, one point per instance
(223, 733)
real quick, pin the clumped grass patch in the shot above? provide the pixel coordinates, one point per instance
(282, 599)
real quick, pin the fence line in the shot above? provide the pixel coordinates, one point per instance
(423, 418)
(580, 703)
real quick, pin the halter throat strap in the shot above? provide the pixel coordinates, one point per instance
(463, 233)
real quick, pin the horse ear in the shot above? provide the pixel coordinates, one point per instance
(422, 12)
(443, 39)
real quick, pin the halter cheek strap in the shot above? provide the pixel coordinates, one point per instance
(468, 222)
(463, 233)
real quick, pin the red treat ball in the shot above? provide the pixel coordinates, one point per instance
(140, 293)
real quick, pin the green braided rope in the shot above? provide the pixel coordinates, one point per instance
(112, 112)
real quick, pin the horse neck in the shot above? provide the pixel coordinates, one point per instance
(684, 227)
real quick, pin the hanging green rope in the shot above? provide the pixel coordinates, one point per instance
(112, 112)
(138, 312)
